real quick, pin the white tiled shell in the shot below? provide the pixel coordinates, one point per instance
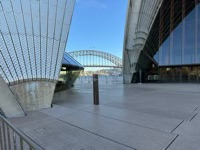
(33, 36)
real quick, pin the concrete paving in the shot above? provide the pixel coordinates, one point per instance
(137, 116)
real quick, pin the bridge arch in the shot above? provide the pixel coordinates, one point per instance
(116, 61)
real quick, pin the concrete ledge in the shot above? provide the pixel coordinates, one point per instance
(34, 95)
(8, 103)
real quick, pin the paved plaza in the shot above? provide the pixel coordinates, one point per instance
(129, 117)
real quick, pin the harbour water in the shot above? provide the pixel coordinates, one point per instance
(103, 79)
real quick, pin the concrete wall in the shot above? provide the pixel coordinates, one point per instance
(8, 103)
(140, 17)
(34, 95)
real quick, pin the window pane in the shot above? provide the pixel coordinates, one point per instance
(176, 49)
(189, 42)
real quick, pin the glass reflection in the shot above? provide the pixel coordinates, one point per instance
(66, 79)
(179, 74)
(176, 49)
(182, 46)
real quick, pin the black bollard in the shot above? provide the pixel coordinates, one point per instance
(96, 89)
(140, 76)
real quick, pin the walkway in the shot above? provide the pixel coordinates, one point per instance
(137, 116)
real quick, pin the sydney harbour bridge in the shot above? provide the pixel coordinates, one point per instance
(94, 58)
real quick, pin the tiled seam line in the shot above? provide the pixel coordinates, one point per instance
(122, 121)
(193, 117)
(80, 109)
(89, 131)
(95, 134)
(196, 108)
(177, 126)
(60, 103)
(178, 92)
(133, 123)
(171, 142)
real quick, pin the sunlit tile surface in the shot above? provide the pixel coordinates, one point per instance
(33, 35)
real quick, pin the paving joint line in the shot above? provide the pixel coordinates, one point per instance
(193, 117)
(177, 126)
(96, 134)
(196, 108)
(171, 142)
(129, 122)
(78, 109)
(120, 120)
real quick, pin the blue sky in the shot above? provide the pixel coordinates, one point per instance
(99, 25)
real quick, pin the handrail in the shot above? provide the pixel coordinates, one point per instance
(18, 140)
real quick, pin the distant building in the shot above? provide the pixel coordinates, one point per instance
(162, 41)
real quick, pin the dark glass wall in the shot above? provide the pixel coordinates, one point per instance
(67, 79)
(179, 74)
(179, 33)
(178, 55)
(173, 44)
(198, 33)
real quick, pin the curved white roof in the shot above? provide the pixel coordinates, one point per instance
(140, 17)
(33, 37)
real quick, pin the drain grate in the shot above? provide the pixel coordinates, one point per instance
(40, 130)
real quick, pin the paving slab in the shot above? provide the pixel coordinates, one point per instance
(53, 134)
(197, 109)
(131, 135)
(30, 117)
(196, 118)
(153, 111)
(145, 120)
(180, 100)
(189, 129)
(75, 105)
(165, 104)
(185, 143)
(57, 111)
(84, 99)
(135, 116)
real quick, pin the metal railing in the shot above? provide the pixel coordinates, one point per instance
(115, 79)
(12, 139)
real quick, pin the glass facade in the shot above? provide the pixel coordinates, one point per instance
(69, 73)
(178, 54)
(67, 79)
(180, 74)
(179, 39)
